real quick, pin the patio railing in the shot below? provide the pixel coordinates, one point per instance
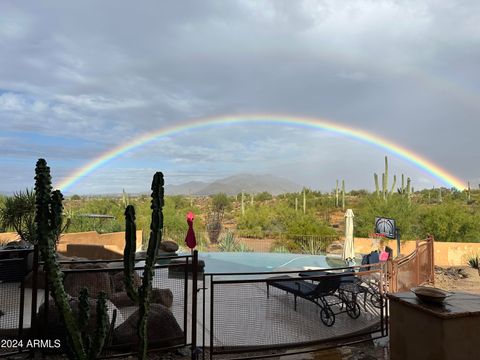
(414, 269)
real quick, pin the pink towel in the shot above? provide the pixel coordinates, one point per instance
(383, 256)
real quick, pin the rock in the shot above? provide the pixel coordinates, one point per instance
(162, 329)
(118, 283)
(17, 244)
(158, 296)
(140, 255)
(95, 281)
(168, 246)
(54, 323)
(162, 296)
(335, 248)
(28, 282)
(178, 270)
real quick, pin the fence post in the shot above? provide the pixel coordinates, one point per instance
(194, 304)
(417, 264)
(432, 259)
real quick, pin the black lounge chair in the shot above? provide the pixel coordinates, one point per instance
(349, 283)
(327, 286)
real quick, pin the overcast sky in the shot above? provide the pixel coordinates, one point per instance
(80, 78)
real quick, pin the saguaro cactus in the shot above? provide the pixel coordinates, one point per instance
(385, 192)
(336, 194)
(243, 203)
(343, 194)
(48, 219)
(142, 294)
(304, 202)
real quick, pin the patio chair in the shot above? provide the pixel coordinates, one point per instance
(349, 283)
(326, 286)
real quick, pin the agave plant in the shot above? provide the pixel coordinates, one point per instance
(473, 263)
(18, 213)
(228, 243)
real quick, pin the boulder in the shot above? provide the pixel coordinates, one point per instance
(118, 281)
(158, 296)
(162, 329)
(94, 281)
(168, 246)
(28, 281)
(54, 323)
(17, 244)
(335, 248)
(162, 296)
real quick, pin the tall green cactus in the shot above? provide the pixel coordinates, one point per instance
(385, 191)
(343, 195)
(142, 294)
(377, 190)
(336, 194)
(243, 203)
(469, 196)
(48, 219)
(304, 202)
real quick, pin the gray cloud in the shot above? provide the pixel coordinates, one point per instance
(99, 74)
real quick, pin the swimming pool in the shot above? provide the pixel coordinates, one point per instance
(240, 262)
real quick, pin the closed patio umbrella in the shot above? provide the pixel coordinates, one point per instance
(348, 247)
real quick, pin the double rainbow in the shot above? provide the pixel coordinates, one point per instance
(427, 166)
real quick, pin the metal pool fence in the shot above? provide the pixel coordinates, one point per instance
(259, 315)
(172, 309)
(242, 315)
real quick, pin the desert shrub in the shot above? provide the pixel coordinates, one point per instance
(257, 221)
(396, 207)
(450, 221)
(263, 196)
(220, 202)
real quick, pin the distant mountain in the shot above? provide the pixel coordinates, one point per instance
(235, 184)
(189, 188)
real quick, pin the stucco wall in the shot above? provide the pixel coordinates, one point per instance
(7, 237)
(112, 241)
(446, 253)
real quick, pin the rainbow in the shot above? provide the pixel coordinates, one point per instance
(360, 135)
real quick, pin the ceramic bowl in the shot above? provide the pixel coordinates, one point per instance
(430, 294)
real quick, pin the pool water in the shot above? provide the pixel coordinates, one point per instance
(240, 262)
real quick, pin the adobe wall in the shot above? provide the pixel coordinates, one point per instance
(446, 253)
(112, 241)
(8, 236)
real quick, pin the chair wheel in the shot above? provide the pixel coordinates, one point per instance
(327, 316)
(353, 310)
(376, 300)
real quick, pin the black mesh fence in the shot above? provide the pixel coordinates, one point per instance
(15, 298)
(255, 312)
(169, 316)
